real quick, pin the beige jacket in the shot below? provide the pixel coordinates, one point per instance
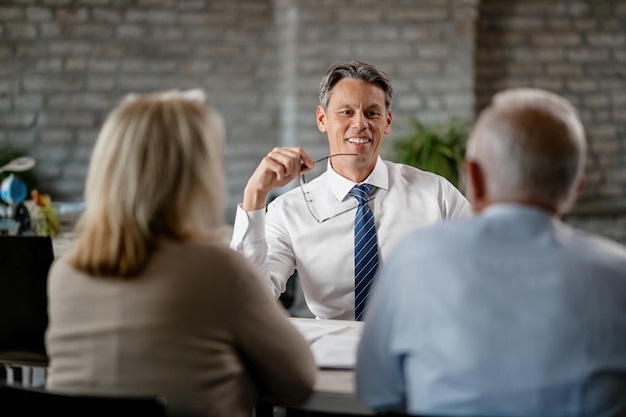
(198, 327)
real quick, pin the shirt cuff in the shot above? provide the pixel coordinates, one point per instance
(249, 226)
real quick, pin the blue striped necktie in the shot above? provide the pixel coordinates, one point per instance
(365, 249)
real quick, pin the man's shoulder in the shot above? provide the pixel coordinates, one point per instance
(417, 182)
(412, 175)
(442, 237)
(408, 170)
(591, 243)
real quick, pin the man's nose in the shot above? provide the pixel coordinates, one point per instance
(359, 121)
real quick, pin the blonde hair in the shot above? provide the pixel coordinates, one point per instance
(156, 171)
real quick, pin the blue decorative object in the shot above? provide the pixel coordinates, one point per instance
(13, 190)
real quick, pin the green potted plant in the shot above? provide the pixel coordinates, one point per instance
(437, 148)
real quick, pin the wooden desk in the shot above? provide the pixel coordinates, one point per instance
(335, 392)
(335, 389)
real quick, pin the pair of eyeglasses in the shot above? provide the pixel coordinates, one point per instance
(308, 198)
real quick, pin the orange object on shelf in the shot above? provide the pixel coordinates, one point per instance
(47, 220)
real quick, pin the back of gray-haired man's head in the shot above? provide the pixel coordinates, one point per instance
(358, 71)
(531, 145)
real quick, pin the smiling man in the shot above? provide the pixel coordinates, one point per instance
(335, 230)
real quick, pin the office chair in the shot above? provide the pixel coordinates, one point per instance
(24, 265)
(17, 400)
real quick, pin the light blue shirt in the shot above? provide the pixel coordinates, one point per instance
(512, 313)
(287, 237)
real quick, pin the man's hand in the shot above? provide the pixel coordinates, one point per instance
(276, 170)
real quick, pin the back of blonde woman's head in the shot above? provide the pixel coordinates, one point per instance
(155, 172)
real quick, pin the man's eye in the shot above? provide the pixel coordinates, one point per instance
(373, 114)
(346, 112)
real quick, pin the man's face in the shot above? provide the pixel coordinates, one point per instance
(355, 121)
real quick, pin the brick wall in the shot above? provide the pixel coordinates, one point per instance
(64, 64)
(578, 49)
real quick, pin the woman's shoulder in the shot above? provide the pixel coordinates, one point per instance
(61, 267)
(199, 249)
(214, 254)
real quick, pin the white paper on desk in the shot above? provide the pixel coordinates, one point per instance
(336, 351)
(312, 331)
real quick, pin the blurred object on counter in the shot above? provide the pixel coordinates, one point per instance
(22, 216)
(47, 216)
(13, 191)
(9, 227)
(14, 160)
(23, 163)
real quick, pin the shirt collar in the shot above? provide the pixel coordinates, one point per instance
(516, 209)
(341, 186)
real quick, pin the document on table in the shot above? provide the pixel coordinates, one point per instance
(334, 343)
(336, 351)
(313, 331)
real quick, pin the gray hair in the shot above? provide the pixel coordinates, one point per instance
(531, 145)
(358, 71)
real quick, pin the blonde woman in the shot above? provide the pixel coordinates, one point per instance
(151, 300)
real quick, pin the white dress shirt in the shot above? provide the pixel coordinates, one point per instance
(287, 237)
(512, 313)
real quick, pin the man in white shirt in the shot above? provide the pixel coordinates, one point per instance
(311, 228)
(511, 313)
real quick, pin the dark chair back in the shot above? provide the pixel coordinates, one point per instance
(24, 265)
(22, 401)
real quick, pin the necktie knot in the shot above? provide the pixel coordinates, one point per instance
(361, 192)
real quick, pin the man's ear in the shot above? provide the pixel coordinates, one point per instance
(389, 118)
(477, 184)
(580, 186)
(321, 119)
